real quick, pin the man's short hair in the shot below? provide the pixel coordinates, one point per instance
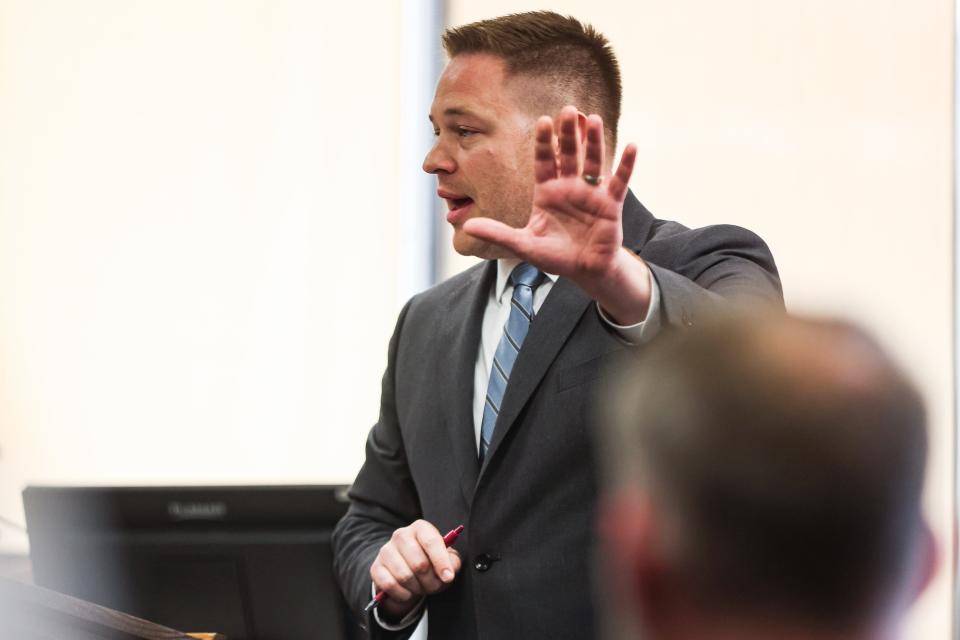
(789, 457)
(574, 58)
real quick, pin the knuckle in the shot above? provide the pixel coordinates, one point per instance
(420, 566)
(387, 583)
(422, 530)
(419, 524)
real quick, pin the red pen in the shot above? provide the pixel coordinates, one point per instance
(448, 540)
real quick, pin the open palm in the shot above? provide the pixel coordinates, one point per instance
(575, 227)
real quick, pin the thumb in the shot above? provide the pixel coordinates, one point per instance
(498, 233)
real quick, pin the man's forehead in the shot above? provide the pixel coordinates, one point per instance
(470, 68)
(476, 84)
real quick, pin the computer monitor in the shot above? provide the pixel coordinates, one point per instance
(253, 563)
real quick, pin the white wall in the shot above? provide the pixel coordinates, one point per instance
(198, 239)
(826, 128)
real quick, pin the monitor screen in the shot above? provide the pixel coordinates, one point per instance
(253, 563)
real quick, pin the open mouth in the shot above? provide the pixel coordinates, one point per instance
(457, 205)
(458, 208)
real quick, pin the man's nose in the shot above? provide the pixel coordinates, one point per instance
(438, 161)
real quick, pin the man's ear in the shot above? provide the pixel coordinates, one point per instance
(581, 136)
(582, 128)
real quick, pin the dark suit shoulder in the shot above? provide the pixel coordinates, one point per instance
(674, 246)
(724, 259)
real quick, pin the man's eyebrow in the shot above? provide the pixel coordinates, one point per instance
(455, 111)
(458, 111)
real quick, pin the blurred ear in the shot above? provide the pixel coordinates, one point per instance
(928, 558)
(582, 137)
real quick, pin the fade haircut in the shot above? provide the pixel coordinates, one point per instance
(787, 458)
(573, 59)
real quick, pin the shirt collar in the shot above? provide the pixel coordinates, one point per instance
(505, 267)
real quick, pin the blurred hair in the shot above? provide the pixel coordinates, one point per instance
(788, 456)
(571, 58)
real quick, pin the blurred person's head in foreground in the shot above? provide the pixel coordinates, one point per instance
(764, 480)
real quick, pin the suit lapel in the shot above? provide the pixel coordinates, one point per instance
(460, 338)
(549, 330)
(551, 327)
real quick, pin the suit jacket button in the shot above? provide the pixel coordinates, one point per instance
(482, 562)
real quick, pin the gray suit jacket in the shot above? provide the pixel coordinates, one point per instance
(529, 510)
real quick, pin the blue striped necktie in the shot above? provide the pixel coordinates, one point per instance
(525, 278)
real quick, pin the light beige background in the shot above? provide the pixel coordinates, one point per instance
(199, 212)
(826, 128)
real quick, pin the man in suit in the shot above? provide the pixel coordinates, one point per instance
(763, 479)
(485, 401)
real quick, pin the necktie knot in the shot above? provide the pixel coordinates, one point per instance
(526, 274)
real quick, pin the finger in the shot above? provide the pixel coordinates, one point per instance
(394, 562)
(593, 155)
(432, 543)
(568, 142)
(416, 558)
(498, 233)
(383, 580)
(618, 183)
(544, 157)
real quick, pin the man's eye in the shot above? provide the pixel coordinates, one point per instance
(464, 133)
(436, 132)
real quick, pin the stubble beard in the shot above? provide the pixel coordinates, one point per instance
(511, 205)
(472, 246)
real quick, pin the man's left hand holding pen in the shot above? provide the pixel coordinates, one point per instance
(414, 563)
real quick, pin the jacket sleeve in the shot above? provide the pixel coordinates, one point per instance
(383, 498)
(713, 270)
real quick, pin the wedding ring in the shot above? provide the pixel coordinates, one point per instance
(592, 180)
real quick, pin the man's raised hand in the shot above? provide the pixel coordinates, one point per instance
(575, 228)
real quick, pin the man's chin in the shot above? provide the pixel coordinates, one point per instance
(467, 245)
